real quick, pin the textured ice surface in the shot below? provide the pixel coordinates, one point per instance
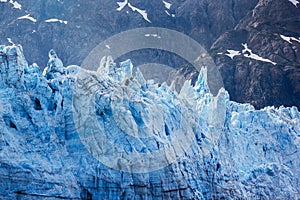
(231, 151)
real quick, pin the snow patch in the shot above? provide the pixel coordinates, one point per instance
(289, 39)
(167, 5)
(167, 12)
(141, 12)
(294, 2)
(133, 8)
(152, 35)
(122, 5)
(246, 52)
(53, 20)
(249, 54)
(16, 4)
(171, 15)
(28, 17)
(232, 53)
(10, 41)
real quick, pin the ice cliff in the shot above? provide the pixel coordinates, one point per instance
(70, 133)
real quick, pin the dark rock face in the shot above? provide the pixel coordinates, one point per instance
(90, 22)
(257, 82)
(225, 24)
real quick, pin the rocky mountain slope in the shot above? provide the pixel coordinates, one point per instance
(217, 25)
(90, 22)
(272, 77)
(70, 133)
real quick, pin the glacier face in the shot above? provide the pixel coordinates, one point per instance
(110, 134)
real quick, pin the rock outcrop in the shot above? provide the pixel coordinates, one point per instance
(272, 32)
(217, 25)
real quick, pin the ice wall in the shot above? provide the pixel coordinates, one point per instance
(110, 134)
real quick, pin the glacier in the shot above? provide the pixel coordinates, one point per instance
(71, 133)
